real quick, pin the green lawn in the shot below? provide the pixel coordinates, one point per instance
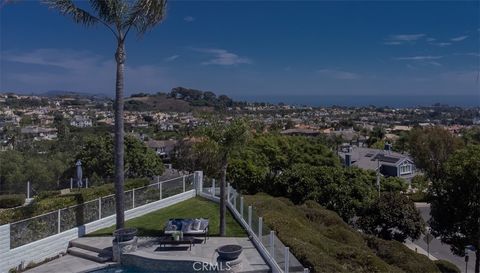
(152, 224)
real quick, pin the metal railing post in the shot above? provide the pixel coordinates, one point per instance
(235, 201)
(161, 188)
(59, 226)
(199, 180)
(86, 182)
(241, 207)
(133, 198)
(260, 223)
(250, 217)
(287, 259)
(71, 183)
(183, 181)
(272, 243)
(213, 187)
(100, 208)
(228, 194)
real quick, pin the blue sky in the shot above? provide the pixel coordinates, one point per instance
(252, 48)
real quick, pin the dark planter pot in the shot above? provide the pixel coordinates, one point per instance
(229, 252)
(125, 234)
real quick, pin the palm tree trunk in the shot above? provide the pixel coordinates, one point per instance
(119, 134)
(477, 260)
(223, 198)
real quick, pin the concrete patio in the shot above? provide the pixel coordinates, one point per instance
(149, 250)
(67, 264)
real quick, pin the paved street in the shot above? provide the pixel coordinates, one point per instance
(439, 250)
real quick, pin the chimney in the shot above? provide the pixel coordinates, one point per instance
(348, 160)
(387, 147)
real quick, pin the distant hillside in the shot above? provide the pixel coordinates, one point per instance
(159, 102)
(74, 94)
(322, 241)
(179, 99)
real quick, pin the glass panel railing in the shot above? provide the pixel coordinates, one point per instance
(172, 187)
(294, 265)
(79, 215)
(33, 229)
(279, 252)
(189, 182)
(147, 194)
(108, 206)
(207, 185)
(128, 200)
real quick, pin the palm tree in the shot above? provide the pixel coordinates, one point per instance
(118, 16)
(226, 139)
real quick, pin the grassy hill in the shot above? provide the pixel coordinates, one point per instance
(322, 241)
(162, 103)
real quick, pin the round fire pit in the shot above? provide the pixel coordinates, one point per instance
(229, 252)
(125, 234)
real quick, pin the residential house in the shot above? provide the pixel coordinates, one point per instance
(300, 132)
(39, 133)
(163, 148)
(387, 162)
(81, 122)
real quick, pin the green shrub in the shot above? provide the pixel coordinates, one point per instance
(398, 255)
(418, 197)
(11, 200)
(47, 194)
(322, 241)
(318, 237)
(446, 266)
(132, 183)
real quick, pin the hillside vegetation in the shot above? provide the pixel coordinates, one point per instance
(321, 240)
(159, 102)
(180, 99)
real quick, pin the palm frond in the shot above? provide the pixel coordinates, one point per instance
(145, 14)
(67, 7)
(111, 11)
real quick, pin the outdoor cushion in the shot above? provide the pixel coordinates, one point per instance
(187, 226)
(196, 224)
(203, 224)
(196, 232)
(171, 227)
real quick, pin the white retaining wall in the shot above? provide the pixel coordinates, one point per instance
(51, 246)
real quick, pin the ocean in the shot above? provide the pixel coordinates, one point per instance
(379, 101)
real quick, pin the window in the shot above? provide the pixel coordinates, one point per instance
(405, 168)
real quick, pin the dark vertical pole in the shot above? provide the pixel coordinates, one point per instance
(119, 134)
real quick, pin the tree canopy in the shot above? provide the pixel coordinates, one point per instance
(431, 147)
(392, 216)
(346, 191)
(97, 158)
(265, 156)
(455, 201)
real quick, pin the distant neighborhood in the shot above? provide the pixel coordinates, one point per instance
(36, 117)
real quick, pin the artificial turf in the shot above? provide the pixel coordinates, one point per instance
(152, 224)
